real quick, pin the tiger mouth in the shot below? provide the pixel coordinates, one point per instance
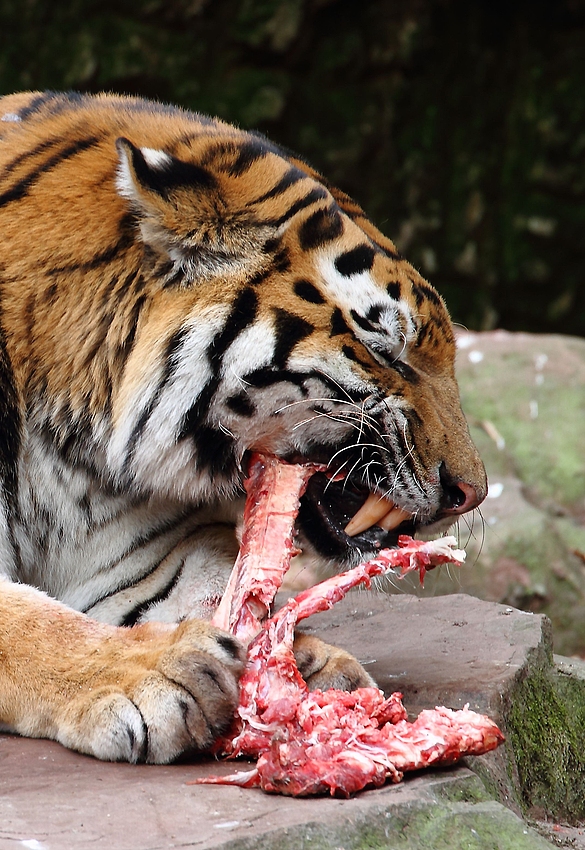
(344, 519)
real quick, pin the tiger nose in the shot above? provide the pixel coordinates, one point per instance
(460, 498)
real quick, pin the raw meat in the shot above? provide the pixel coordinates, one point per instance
(322, 742)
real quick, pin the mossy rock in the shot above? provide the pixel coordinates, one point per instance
(524, 397)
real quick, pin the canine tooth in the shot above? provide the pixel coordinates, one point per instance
(393, 519)
(374, 508)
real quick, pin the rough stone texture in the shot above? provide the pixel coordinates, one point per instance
(447, 650)
(524, 396)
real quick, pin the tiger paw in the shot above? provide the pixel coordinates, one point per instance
(160, 691)
(323, 666)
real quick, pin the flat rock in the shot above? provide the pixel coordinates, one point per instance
(436, 651)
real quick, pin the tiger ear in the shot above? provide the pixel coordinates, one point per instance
(146, 174)
(178, 208)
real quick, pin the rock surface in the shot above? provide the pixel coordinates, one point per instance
(524, 397)
(447, 650)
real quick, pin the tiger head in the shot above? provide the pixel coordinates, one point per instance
(199, 293)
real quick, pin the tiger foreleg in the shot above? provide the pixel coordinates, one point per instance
(146, 693)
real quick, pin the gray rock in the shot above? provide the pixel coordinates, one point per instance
(443, 651)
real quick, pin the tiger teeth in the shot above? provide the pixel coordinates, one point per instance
(373, 509)
(393, 519)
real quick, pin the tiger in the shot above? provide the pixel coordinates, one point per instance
(175, 294)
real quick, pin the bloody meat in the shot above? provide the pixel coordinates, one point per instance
(321, 742)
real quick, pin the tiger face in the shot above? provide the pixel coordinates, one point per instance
(177, 292)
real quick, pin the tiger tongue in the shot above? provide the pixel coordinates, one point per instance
(376, 510)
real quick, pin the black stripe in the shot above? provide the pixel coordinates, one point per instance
(392, 255)
(393, 289)
(10, 434)
(352, 355)
(422, 292)
(36, 103)
(362, 322)
(241, 404)
(242, 314)
(104, 257)
(308, 292)
(30, 154)
(324, 225)
(173, 345)
(289, 329)
(338, 324)
(375, 312)
(292, 176)
(267, 377)
(124, 348)
(359, 259)
(317, 194)
(20, 189)
(215, 452)
(404, 370)
(249, 152)
(135, 613)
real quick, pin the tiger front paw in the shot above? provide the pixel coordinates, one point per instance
(160, 691)
(323, 666)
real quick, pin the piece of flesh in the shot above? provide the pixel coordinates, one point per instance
(322, 742)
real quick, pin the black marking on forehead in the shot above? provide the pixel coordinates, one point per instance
(249, 152)
(308, 292)
(324, 225)
(290, 329)
(359, 259)
(292, 176)
(394, 290)
(338, 324)
(235, 156)
(316, 194)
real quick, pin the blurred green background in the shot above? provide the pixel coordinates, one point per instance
(459, 125)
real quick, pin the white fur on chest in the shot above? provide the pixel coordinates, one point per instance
(103, 552)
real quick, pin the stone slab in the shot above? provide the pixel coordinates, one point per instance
(444, 651)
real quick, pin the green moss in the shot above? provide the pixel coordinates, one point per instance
(546, 730)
